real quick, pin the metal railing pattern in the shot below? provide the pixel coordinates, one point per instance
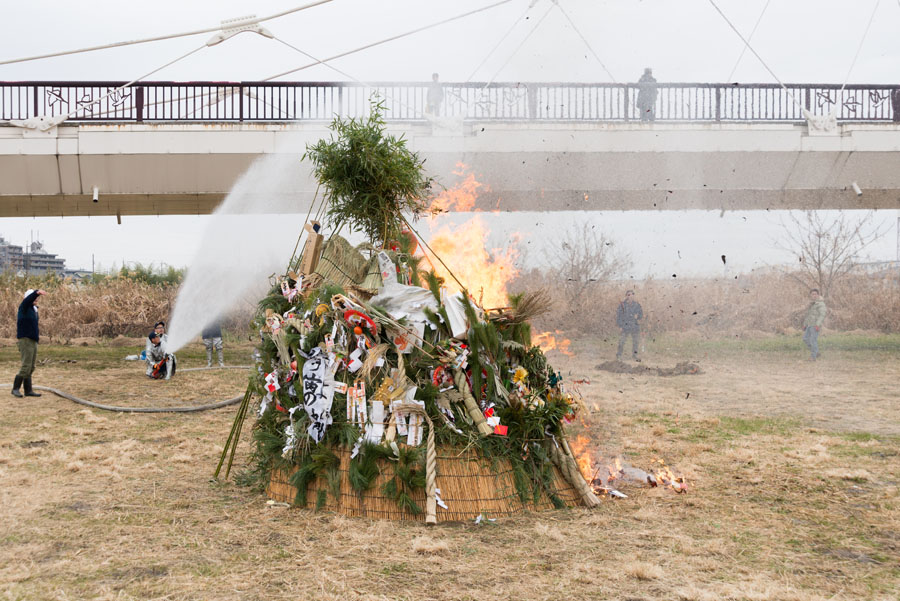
(311, 101)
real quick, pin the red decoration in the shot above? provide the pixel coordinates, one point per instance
(358, 318)
(357, 330)
(489, 412)
(501, 429)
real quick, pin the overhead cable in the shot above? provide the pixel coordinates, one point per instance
(390, 39)
(503, 39)
(519, 47)
(859, 48)
(750, 37)
(243, 22)
(759, 58)
(79, 106)
(347, 75)
(586, 43)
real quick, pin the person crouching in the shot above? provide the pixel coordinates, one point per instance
(160, 364)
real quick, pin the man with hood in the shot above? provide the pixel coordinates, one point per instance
(27, 334)
(813, 322)
(160, 364)
(647, 93)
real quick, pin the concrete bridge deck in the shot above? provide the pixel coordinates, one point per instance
(548, 162)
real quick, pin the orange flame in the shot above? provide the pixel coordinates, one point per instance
(460, 197)
(582, 454)
(485, 274)
(548, 342)
(666, 477)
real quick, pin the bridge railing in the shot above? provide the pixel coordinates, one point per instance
(293, 101)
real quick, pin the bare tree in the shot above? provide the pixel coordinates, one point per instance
(585, 258)
(827, 249)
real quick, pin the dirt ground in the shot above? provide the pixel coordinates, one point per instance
(793, 469)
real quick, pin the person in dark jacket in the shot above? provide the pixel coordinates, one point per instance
(647, 93)
(212, 338)
(628, 317)
(28, 334)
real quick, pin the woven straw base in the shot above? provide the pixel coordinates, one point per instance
(470, 485)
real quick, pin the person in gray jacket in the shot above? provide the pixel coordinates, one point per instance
(628, 317)
(813, 322)
(160, 364)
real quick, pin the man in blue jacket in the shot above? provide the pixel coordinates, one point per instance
(27, 333)
(628, 317)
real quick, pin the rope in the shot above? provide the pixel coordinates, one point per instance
(586, 43)
(430, 462)
(759, 58)
(471, 406)
(220, 27)
(390, 39)
(75, 399)
(750, 37)
(563, 460)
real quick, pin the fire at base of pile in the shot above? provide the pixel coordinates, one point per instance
(383, 394)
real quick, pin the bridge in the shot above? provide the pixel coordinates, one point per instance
(108, 148)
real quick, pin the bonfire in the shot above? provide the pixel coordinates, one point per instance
(385, 389)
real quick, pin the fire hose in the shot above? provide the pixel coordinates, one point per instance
(195, 409)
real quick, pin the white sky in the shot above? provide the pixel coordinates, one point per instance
(683, 40)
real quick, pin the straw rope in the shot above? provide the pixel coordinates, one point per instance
(430, 461)
(566, 464)
(471, 406)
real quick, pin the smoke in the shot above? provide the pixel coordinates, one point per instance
(248, 238)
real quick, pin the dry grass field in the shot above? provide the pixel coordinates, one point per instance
(793, 469)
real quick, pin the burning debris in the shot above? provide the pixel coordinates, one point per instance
(607, 478)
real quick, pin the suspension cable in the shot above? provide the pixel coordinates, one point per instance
(503, 39)
(240, 22)
(758, 57)
(584, 39)
(750, 37)
(390, 39)
(80, 106)
(519, 47)
(861, 42)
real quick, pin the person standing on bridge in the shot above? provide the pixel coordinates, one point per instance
(435, 96)
(813, 322)
(628, 317)
(647, 93)
(28, 336)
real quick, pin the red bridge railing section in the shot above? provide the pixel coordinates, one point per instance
(166, 101)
